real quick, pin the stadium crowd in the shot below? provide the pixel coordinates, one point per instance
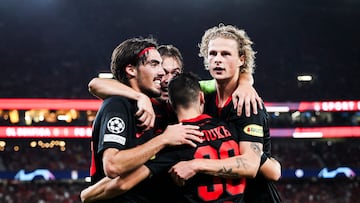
(53, 52)
(291, 191)
(75, 155)
(301, 153)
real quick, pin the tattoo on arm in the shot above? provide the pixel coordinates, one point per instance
(240, 163)
(256, 148)
(228, 173)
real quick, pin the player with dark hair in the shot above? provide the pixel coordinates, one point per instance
(221, 149)
(118, 145)
(172, 65)
(274, 175)
(225, 159)
(244, 95)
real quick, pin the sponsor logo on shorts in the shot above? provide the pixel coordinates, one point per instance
(254, 130)
(116, 125)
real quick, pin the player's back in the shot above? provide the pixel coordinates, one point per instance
(219, 142)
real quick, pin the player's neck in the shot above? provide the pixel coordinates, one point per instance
(134, 85)
(224, 90)
(186, 114)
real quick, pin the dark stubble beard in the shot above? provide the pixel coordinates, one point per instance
(147, 91)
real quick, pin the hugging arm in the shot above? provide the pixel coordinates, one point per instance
(119, 162)
(108, 188)
(104, 88)
(246, 95)
(244, 165)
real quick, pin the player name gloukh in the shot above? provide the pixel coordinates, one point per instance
(219, 132)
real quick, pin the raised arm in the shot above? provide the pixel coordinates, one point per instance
(103, 88)
(108, 188)
(245, 94)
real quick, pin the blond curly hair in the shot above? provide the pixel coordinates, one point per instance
(230, 32)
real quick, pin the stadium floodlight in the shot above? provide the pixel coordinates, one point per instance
(307, 135)
(304, 78)
(277, 108)
(105, 75)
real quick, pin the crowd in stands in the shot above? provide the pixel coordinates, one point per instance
(316, 153)
(299, 191)
(64, 71)
(292, 153)
(47, 56)
(314, 119)
(320, 191)
(40, 192)
(74, 156)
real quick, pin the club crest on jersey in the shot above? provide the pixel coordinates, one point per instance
(116, 125)
(254, 130)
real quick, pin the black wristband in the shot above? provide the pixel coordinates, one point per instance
(263, 159)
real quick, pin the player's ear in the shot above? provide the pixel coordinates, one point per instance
(241, 60)
(202, 97)
(130, 70)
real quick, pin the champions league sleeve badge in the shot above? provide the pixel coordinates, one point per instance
(114, 127)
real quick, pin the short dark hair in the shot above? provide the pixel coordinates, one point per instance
(127, 53)
(184, 89)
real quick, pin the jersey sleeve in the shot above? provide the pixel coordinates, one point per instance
(267, 137)
(115, 129)
(251, 128)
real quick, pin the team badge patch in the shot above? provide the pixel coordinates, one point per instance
(254, 130)
(116, 125)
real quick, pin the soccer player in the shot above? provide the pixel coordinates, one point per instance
(172, 65)
(244, 95)
(227, 52)
(226, 159)
(274, 175)
(118, 145)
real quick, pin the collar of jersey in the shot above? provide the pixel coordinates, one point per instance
(198, 118)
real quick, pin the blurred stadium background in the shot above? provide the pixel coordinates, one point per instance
(50, 50)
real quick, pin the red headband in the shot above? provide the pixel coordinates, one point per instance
(142, 52)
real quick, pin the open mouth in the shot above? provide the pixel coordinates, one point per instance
(164, 88)
(218, 69)
(157, 82)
